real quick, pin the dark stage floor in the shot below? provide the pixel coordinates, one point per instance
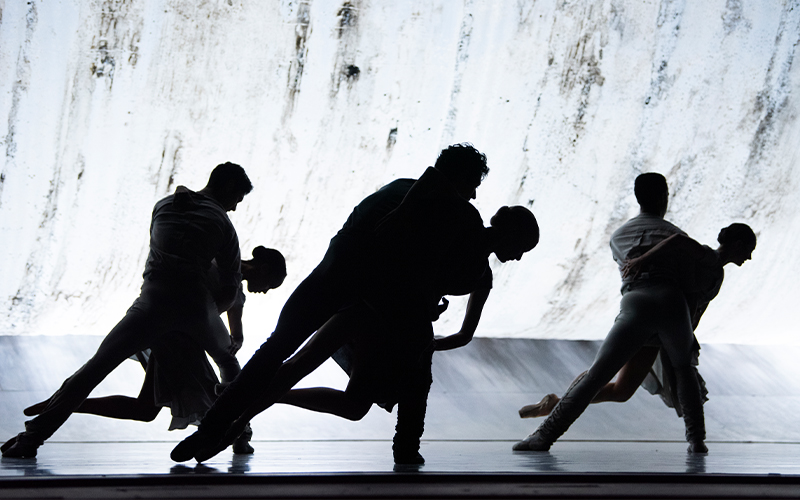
(364, 469)
(751, 419)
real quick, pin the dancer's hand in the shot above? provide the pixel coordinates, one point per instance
(236, 344)
(631, 268)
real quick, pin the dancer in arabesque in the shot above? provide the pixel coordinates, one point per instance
(703, 270)
(188, 231)
(177, 372)
(389, 361)
(653, 308)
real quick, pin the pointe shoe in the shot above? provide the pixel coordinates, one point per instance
(540, 409)
(534, 442)
(19, 447)
(697, 447)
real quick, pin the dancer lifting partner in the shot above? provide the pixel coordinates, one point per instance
(650, 367)
(177, 372)
(188, 231)
(653, 306)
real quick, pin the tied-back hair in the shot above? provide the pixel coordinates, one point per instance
(520, 222)
(230, 175)
(463, 161)
(737, 232)
(270, 259)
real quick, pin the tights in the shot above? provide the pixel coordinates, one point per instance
(647, 311)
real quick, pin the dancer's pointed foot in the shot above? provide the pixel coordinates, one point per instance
(534, 442)
(697, 447)
(187, 448)
(540, 409)
(36, 409)
(19, 447)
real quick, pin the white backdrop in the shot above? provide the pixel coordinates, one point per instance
(107, 105)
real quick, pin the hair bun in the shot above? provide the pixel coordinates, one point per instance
(260, 252)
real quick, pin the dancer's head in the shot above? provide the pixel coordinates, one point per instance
(736, 243)
(228, 184)
(516, 232)
(265, 271)
(652, 193)
(465, 166)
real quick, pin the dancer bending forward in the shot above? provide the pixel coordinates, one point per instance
(650, 366)
(653, 309)
(177, 372)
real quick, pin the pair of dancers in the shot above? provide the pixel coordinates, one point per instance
(668, 280)
(193, 271)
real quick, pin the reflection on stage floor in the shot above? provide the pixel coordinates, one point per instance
(365, 469)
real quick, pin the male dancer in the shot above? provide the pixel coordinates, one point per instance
(339, 281)
(188, 230)
(653, 306)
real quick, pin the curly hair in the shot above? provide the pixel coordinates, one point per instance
(463, 161)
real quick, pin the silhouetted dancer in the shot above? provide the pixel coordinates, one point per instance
(388, 361)
(177, 372)
(338, 282)
(653, 306)
(703, 273)
(188, 230)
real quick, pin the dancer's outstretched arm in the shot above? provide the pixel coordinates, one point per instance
(675, 244)
(477, 300)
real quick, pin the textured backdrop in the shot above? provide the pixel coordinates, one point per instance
(108, 105)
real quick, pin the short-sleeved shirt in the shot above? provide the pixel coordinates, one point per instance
(636, 237)
(188, 231)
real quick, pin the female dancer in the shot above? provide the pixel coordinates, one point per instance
(177, 372)
(648, 367)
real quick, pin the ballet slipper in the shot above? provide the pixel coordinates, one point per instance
(210, 450)
(540, 409)
(408, 458)
(187, 448)
(534, 442)
(19, 447)
(697, 447)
